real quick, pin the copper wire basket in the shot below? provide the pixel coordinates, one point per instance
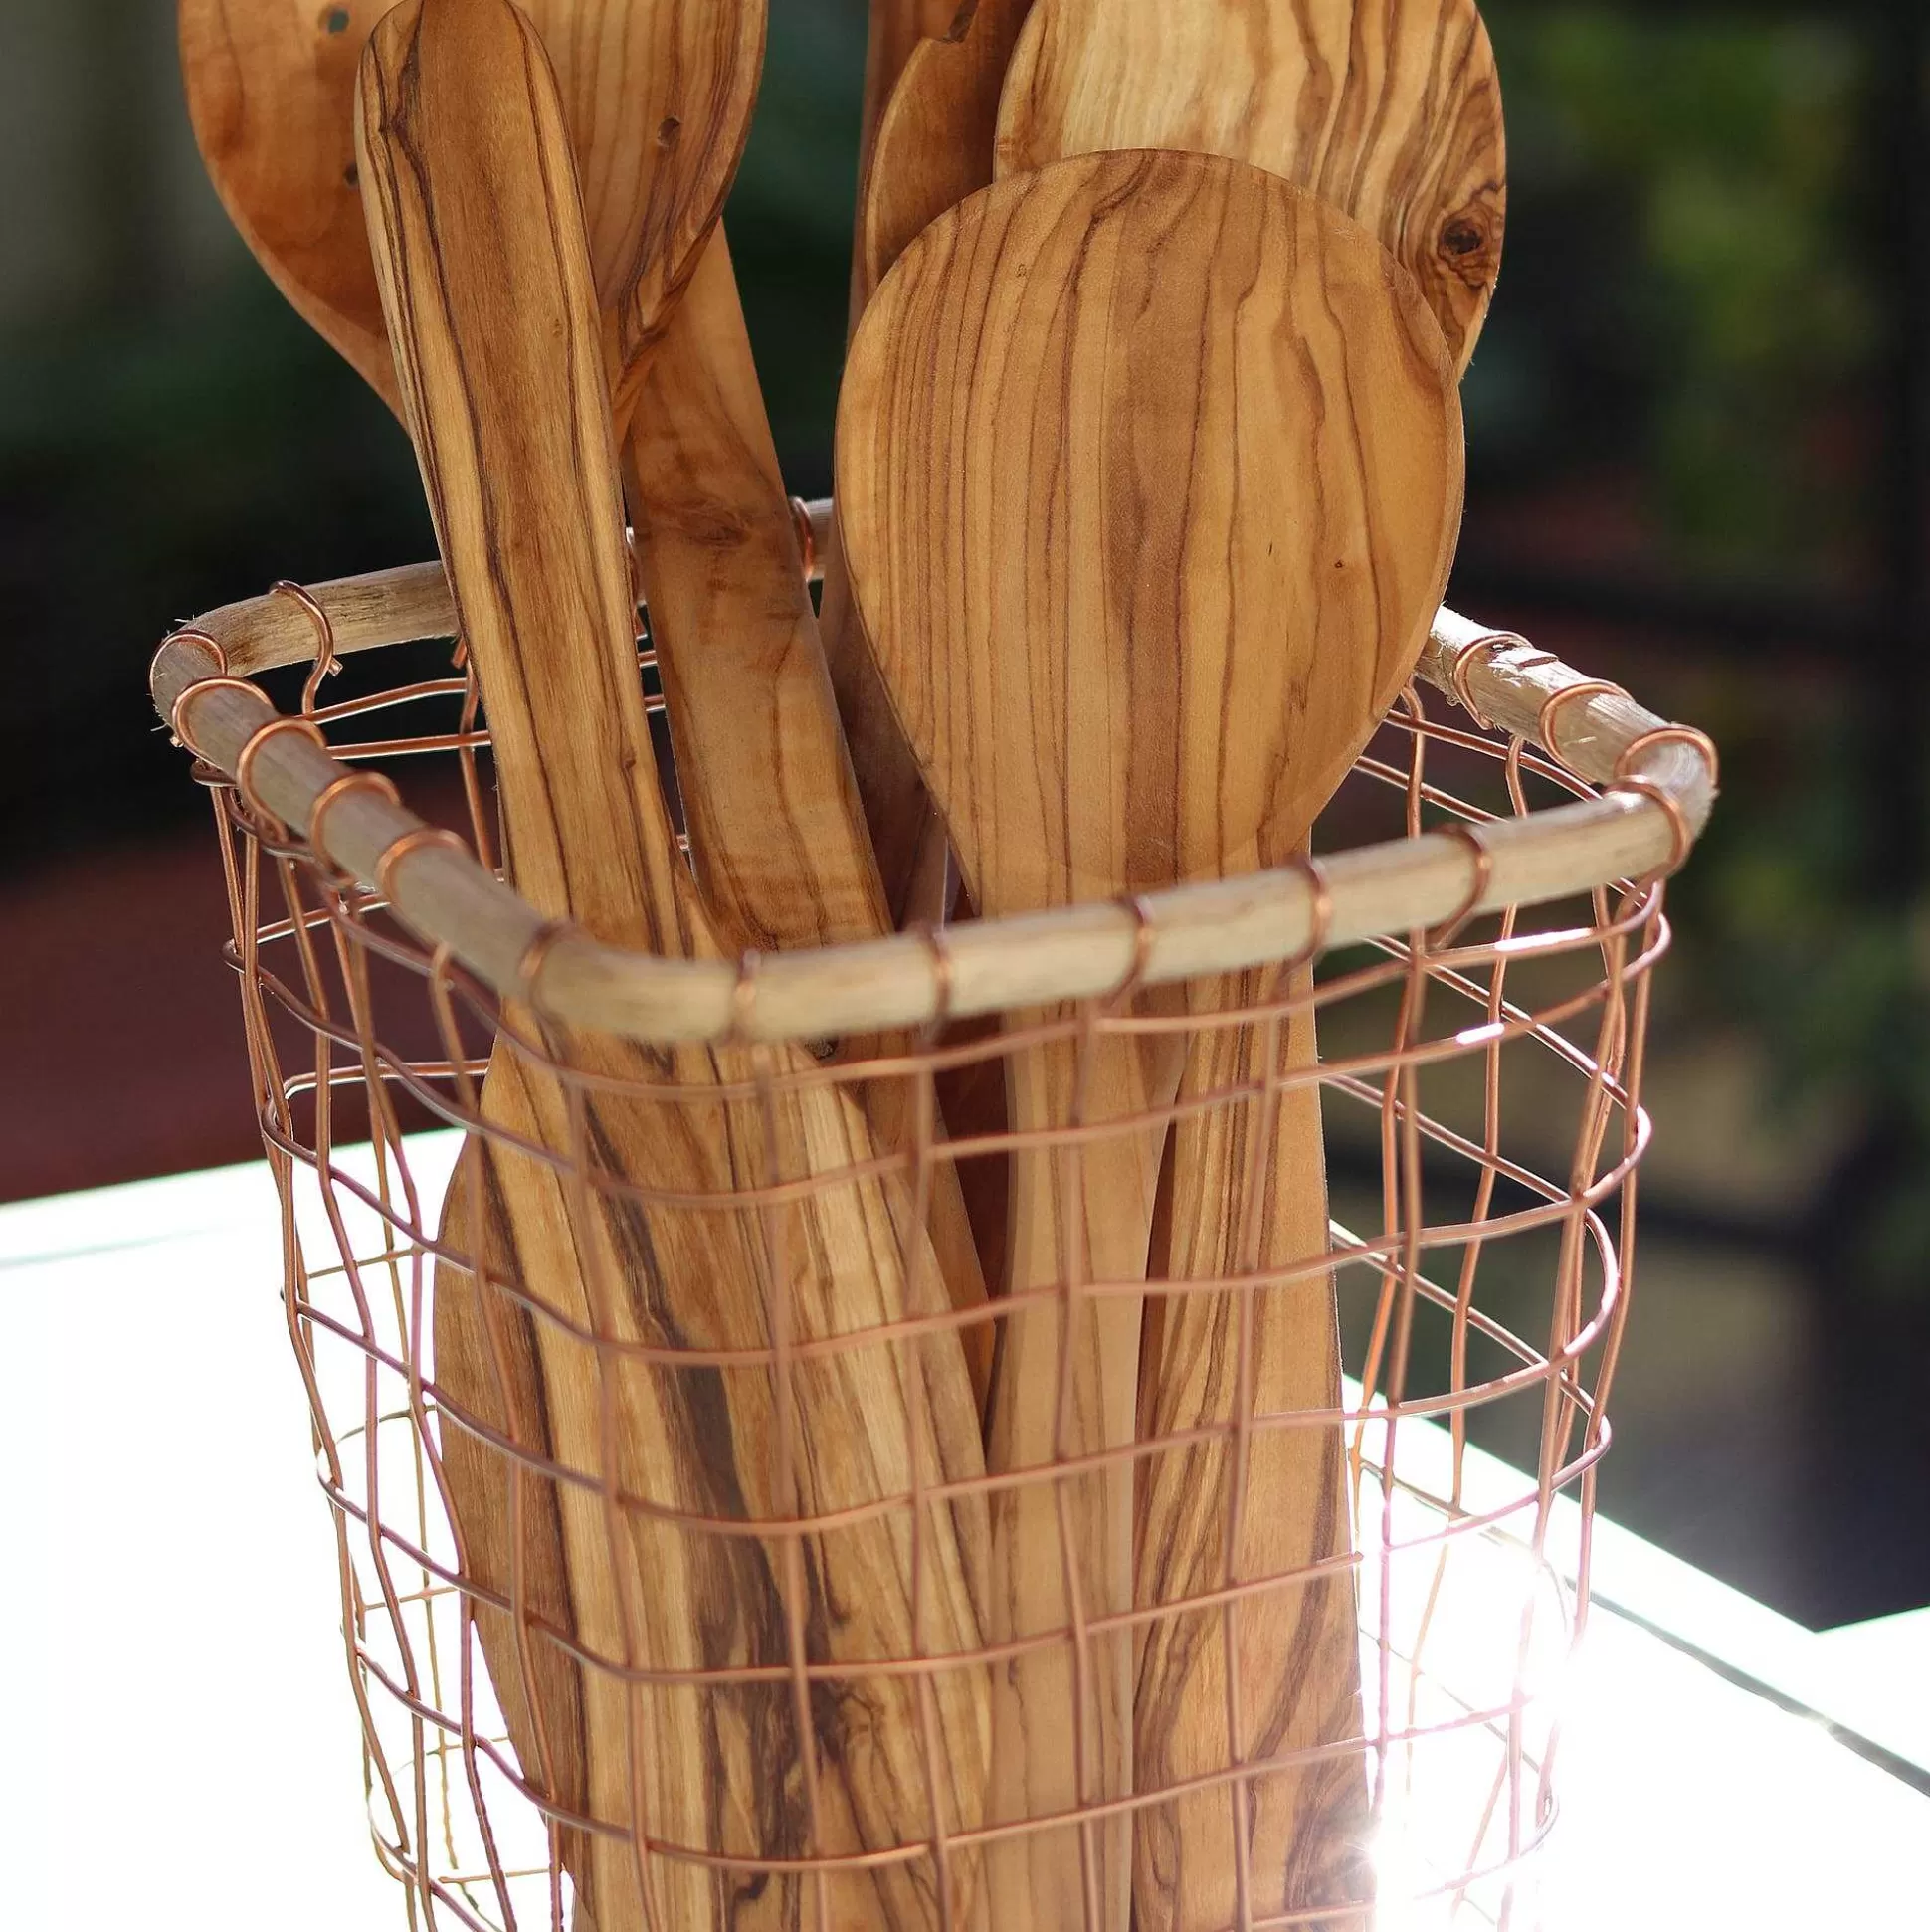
(1481, 933)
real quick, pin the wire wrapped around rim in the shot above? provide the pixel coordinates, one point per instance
(1634, 825)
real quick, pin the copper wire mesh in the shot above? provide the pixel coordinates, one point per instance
(1479, 1087)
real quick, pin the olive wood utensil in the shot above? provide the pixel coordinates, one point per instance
(658, 99)
(935, 141)
(477, 233)
(1112, 682)
(1391, 110)
(1393, 113)
(776, 830)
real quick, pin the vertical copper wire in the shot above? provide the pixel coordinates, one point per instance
(481, 834)
(919, 1270)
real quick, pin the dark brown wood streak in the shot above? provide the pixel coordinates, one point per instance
(1149, 468)
(488, 288)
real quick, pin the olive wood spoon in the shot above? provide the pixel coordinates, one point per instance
(488, 288)
(1391, 110)
(1114, 684)
(934, 142)
(658, 101)
(932, 148)
(1393, 113)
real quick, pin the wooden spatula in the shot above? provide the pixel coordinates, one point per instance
(1391, 110)
(1146, 465)
(486, 286)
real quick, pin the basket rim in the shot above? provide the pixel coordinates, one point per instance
(1659, 784)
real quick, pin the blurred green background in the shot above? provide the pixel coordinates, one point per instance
(1697, 431)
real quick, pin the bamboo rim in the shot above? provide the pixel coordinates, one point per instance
(1658, 783)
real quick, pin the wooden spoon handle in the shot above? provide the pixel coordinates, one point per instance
(776, 836)
(1082, 1213)
(475, 215)
(777, 833)
(1247, 1195)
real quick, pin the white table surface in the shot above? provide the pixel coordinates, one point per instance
(185, 1747)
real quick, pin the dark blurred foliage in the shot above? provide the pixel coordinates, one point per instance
(1697, 449)
(1685, 310)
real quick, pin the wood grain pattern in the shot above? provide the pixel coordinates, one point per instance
(1148, 467)
(777, 833)
(657, 99)
(488, 288)
(1392, 111)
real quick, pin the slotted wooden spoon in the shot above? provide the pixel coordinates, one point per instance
(1113, 682)
(486, 286)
